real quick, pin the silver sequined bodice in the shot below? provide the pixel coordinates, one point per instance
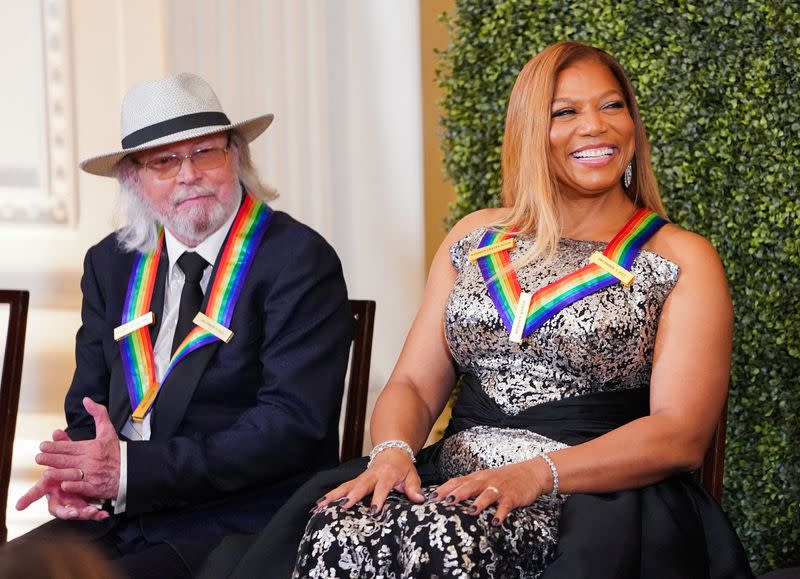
(601, 342)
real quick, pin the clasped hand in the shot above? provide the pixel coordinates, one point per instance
(81, 473)
(509, 487)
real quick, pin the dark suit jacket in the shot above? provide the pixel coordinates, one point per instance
(237, 427)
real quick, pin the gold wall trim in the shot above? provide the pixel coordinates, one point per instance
(438, 191)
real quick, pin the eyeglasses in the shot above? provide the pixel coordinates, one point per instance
(166, 166)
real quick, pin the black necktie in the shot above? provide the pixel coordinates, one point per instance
(192, 266)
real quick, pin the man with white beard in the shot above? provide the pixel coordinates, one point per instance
(212, 352)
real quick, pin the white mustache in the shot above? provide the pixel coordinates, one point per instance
(181, 194)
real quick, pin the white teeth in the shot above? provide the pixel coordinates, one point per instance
(593, 153)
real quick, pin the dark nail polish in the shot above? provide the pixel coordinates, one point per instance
(495, 522)
(373, 510)
(450, 500)
(472, 510)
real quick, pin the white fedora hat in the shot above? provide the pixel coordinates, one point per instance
(159, 112)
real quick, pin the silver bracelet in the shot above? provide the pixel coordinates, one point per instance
(554, 472)
(380, 447)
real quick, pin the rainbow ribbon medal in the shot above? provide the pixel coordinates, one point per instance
(140, 368)
(604, 270)
(240, 248)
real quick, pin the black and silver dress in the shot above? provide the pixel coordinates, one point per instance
(604, 341)
(584, 372)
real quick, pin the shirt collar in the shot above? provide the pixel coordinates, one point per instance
(208, 249)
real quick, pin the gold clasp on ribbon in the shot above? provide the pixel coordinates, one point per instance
(520, 317)
(613, 268)
(475, 254)
(135, 324)
(214, 327)
(147, 401)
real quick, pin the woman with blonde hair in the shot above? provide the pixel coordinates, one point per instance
(593, 340)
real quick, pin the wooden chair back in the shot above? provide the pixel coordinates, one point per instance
(10, 379)
(714, 463)
(355, 409)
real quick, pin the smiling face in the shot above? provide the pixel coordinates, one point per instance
(194, 203)
(591, 131)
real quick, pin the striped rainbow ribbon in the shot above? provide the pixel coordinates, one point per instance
(503, 285)
(243, 242)
(237, 257)
(139, 368)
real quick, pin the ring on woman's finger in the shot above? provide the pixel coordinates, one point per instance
(83, 474)
(493, 489)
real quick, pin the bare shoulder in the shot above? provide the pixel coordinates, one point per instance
(476, 219)
(692, 252)
(467, 224)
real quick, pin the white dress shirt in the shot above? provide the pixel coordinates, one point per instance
(208, 249)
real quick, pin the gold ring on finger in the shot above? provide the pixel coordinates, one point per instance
(493, 489)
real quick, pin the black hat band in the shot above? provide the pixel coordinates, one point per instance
(172, 126)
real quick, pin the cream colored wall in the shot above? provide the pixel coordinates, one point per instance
(108, 45)
(104, 62)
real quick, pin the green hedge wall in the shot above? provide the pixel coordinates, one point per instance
(719, 87)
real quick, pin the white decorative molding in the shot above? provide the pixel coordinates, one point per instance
(43, 190)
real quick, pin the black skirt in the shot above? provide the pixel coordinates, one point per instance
(671, 529)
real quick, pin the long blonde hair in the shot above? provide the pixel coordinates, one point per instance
(529, 187)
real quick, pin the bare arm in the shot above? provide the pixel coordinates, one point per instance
(688, 385)
(688, 388)
(423, 377)
(418, 387)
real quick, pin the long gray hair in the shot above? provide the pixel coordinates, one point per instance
(139, 223)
